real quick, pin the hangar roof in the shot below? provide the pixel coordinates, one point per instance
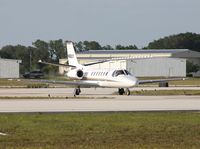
(11, 60)
(187, 54)
(132, 51)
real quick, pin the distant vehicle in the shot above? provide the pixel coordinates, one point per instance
(34, 74)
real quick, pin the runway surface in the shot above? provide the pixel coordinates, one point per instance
(103, 101)
(88, 92)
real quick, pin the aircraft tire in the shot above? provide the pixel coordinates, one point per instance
(77, 91)
(128, 92)
(121, 91)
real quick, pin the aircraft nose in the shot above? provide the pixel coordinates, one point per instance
(131, 81)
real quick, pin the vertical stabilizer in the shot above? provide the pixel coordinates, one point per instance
(72, 60)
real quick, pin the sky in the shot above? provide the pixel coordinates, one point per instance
(106, 21)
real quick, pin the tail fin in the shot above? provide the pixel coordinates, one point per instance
(71, 54)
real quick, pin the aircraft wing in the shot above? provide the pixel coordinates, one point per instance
(159, 80)
(81, 83)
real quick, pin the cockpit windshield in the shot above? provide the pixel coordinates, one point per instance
(120, 72)
(128, 73)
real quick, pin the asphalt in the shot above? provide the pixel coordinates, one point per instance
(86, 92)
(92, 100)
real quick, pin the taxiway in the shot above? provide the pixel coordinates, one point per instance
(91, 100)
(86, 92)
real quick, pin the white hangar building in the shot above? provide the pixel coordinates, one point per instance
(171, 62)
(9, 68)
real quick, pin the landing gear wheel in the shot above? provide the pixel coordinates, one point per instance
(128, 92)
(121, 91)
(77, 91)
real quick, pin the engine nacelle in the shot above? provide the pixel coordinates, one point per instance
(75, 74)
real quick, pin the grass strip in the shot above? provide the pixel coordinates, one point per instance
(52, 97)
(27, 82)
(166, 92)
(101, 130)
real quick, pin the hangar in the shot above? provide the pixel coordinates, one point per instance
(171, 62)
(9, 68)
(191, 56)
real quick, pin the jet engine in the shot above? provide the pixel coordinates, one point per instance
(75, 74)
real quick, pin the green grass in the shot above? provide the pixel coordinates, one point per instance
(12, 82)
(188, 81)
(26, 82)
(20, 83)
(53, 97)
(165, 92)
(101, 130)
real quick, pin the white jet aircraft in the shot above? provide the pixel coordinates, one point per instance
(85, 76)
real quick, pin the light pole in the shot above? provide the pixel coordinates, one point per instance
(30, 61)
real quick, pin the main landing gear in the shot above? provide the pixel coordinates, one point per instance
(77, 91)
(121, 91)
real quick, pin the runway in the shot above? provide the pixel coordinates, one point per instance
(103, 101)
(86, 92)
(125, 103)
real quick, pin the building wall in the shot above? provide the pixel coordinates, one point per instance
(157, 67)
(166, 67)
(120, 64)
(122, 55)
(192, 56)
(91, 57)
(153, 67)
(9, 68)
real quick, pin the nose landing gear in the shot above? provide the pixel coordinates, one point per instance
(121, 91)
(77, 91)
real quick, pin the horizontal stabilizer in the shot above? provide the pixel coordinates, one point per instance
(54, 64)
(122, 58)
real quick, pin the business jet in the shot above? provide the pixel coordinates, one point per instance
(85, 76)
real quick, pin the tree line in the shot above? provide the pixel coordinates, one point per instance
(50, 51)
(187, 40)
(54, 50)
